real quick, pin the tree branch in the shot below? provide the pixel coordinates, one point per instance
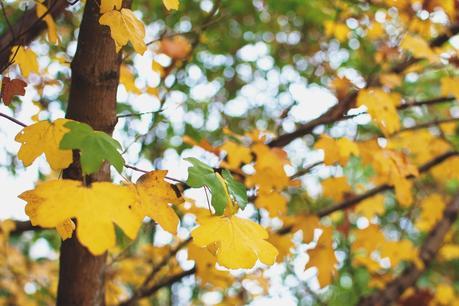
(165, 282)
(393, 290)
(145, 290)
(338, 111)
(356, 199)
(425, 102)
(26, 29)
(23, 226)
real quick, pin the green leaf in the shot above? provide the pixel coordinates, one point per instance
(200, 175)
(236, 189)
(95, 147)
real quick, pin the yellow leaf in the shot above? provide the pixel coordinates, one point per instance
(128, 80)
(338, 30)
(449, 251)
(240, 242)
(369, 239)
(274, 202)
(366, 261)
(65, 229)
(109, 5)
(419, 48)
(171, 4)
(283, 243)
(431, 212)
(450, 86)
(403, 191)
(158, 68)
(339, 150)
(269, 168)
(371, 207)
(391, 80)
(236, 154)
(205, 267)
(335, 187)
(323, 257)
(95, 208)
(398, 251)
(124, 27)
(341, 87)
(154, 196)
(44, 137)
(444, 294)
(42, 10)
(382, 108)
(26, 59)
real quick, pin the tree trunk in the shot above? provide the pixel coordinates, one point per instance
(95, 77)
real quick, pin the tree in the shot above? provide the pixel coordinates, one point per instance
(211, 146)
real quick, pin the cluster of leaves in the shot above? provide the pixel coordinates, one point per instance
(395, 91)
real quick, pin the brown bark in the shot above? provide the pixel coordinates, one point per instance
(392, 292)
(95, 77)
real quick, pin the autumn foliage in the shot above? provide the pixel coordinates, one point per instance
(218, 152)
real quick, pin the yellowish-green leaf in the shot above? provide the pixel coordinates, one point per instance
(239, 242)
(125, 27)
(44, 137)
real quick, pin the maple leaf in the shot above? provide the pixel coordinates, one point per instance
(450, 86)
(283, 244)
(224, 189)
(236, 154)
(11, 88)
(95, 208)
(431, 212)
(205, 267)
(239, 242)
(274, 202)
(44, 137)
(323, 258)
(236, 190)
(398, 251)
(371, 207)
(65, 229)
(42, 12)
(154, 196)
(171, 4)
(109, 5)
(336, 151)
(124, 27)
(382, 108)
(128, 80)
(25, 58)
(449, 251)
(419, 48)
(269, 168)
(177, 47)
(369, 238)
(336, 187)
(95, 147)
